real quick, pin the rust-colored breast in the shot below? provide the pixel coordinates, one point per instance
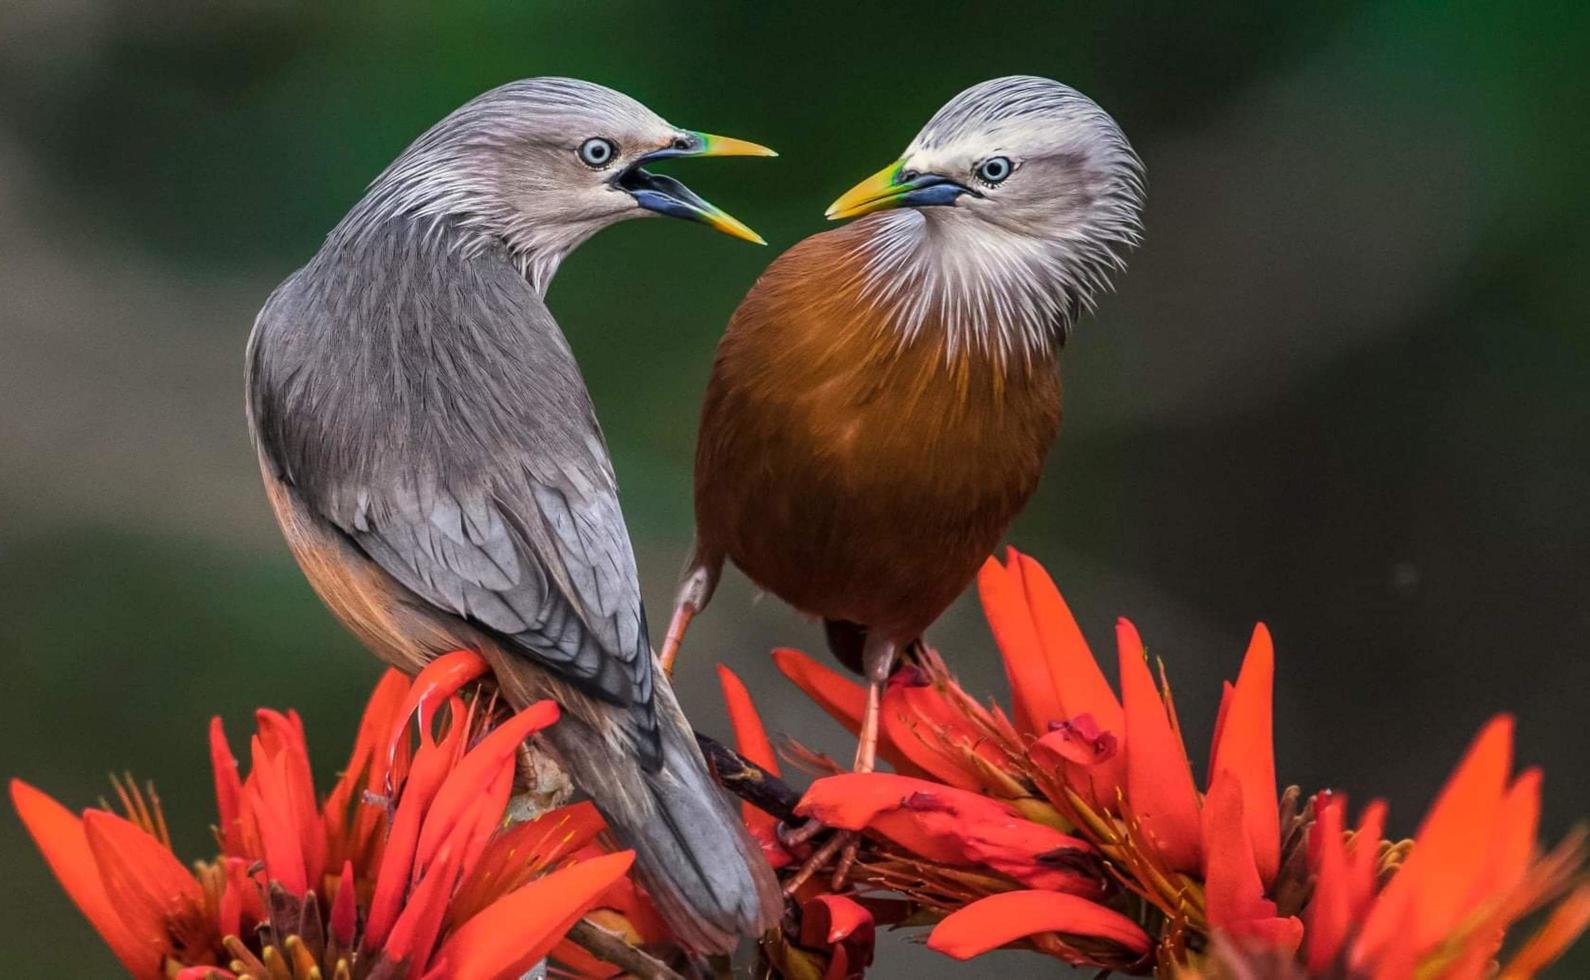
(854, 476)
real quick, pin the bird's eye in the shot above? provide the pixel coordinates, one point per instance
(994, 169)
(597, 152)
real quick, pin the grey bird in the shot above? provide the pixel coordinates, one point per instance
(432, 455)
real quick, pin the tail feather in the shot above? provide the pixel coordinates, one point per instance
(707, 877)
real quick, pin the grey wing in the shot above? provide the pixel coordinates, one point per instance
(546, 564)
(489, 495)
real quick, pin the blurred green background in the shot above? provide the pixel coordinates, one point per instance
(1342, 388)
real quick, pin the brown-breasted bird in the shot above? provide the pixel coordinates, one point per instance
(433, 458)
(883, 399)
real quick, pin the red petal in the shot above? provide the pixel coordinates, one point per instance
(439, 681)
(466, 786)
(1159, 784)
(843, 699)
(228, 790)
(1431, 892)
(845, 928)
(933, 734)
(509, 936)
(992, 922)
(951, 826)
(348, 824)
(1226, 690)
(845, 916)
(1329, 914)
(157, 898)
(1234, 899)
(283, 738)
(750, 738)
(1247, 750)
(1512, 844)
(1075, 672)
(526, 849)
(60, 838)
(414, 933)
(431, 765)
(1035, 698)
(345, 907)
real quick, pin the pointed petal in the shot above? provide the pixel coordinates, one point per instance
(1565, 924)
(1429, 895)
(368, 768)
(750, 739)
(524, 850)
(921, 724)
(1247, 750)
(431, 765)
(997, 920)
(60, 838)
(438, 682)
(345, 907)
(952, 826)
(465, 787)
(228, 790)
(513, 933)
(1035, 698)
(413, 935)
(843, 699)
(1160, 789)
(157, 898)
(1234, 899)
(1073, 669)
(1329, 912)
(845, 916)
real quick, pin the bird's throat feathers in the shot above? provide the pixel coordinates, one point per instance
(985, 289)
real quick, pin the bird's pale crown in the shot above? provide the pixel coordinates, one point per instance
(540, 165)
(1004, 218)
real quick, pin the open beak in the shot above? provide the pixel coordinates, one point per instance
(665, 195)
(895, 187)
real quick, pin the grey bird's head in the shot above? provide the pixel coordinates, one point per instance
(542, 164)
(1021, 185)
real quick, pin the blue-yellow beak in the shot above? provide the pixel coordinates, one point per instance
(665, 195)
(895, 187)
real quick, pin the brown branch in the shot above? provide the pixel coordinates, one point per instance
(609, 948)
(748, 781)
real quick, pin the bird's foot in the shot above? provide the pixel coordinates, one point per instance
(846, 840)
(792, 838)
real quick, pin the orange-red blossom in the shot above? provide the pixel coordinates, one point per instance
(404, 870)
(1078, 770)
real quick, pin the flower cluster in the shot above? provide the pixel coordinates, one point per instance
(1075, 825)
(405, 870)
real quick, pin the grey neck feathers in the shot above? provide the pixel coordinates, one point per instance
(989, 289)
(450, 189)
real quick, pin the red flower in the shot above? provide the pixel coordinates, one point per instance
(1472, 871)
(1210, 884)
(403, 870)
(954, 827)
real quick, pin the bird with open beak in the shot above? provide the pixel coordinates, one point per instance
(433, 458)
(883, 399)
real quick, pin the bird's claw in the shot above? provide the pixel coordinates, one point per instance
(844, 839)
(793, 838)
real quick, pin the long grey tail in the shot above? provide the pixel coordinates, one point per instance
(704, 872)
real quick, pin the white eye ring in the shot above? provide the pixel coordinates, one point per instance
(994, 170)
(597, 152)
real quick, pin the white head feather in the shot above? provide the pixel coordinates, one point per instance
(1009, 265)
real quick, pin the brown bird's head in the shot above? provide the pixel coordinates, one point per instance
(1005, 216)
(544, 163)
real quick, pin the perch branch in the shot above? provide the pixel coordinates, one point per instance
(611, 949)
(748, 781)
